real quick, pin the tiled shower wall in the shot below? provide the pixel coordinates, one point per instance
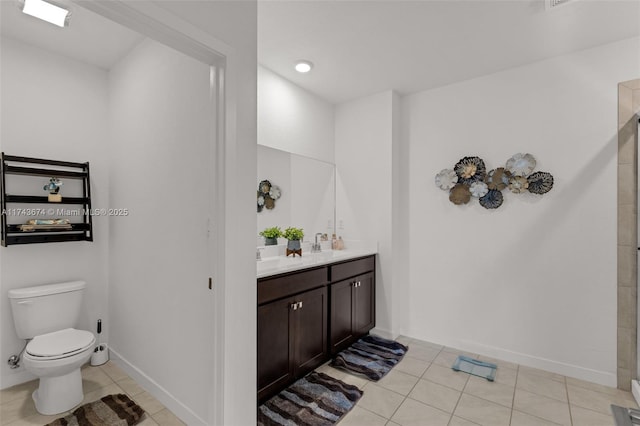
(628, 106)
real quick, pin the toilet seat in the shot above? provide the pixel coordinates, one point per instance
(59, 344)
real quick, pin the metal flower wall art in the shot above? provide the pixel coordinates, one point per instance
(267, 195)
(469, 180)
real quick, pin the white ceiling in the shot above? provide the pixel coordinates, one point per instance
(364, 47)
(89, 38)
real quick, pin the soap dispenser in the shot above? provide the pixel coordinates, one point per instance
(334, 242)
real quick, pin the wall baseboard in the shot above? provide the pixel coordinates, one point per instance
(384, 333)
(161, 394)
(16, 379)
(595, 376)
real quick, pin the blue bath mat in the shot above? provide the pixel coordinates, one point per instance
(371, 356)
(482, 369)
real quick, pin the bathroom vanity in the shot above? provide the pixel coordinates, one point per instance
(307, 315)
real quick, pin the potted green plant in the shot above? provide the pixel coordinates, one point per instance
(294, 235)
(271, 235)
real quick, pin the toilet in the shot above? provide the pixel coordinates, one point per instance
(46, 314)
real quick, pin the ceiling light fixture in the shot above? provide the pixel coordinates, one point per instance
(46, 11)
(303, 66)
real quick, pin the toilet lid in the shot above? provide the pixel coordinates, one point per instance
(60, 343)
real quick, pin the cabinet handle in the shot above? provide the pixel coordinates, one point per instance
(294, 306)
(354, 284)
(299, 305)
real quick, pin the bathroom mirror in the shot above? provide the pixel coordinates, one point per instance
(308, 196)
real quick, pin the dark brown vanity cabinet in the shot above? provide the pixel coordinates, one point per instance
(292, 330)
(352, 302)
(305, 316)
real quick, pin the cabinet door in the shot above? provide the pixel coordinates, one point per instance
(310, 330)
(341, 315)
(275, 346)
(364, 311)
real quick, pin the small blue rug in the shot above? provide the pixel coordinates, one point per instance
(478, 368)
(371, 356)
(314, 400)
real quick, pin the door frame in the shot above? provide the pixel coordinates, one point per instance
(156, 23)
(627, 206)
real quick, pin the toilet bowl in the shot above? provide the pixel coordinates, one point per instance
(55, 358)
(46, 315)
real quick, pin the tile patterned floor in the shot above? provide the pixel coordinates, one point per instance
(422, 390)
(17, 407)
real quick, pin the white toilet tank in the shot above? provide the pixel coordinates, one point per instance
(46, 308)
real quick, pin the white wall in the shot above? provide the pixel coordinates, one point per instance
(535, 280)
(292, 119)
(235, 23)
(54, 108)
(160, 170)
(232, 23)
(364, 139)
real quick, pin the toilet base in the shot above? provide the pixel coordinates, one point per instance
(56, 395)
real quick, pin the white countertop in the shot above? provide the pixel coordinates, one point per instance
(278, 263)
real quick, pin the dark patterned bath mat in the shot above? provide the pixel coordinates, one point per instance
(314, 400)
(371, 356)
(111, 410)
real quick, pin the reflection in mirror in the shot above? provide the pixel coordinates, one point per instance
(307, 188)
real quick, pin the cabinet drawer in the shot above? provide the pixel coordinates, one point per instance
(342, 271)
(286, 285)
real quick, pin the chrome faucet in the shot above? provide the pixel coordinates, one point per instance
(316, 247)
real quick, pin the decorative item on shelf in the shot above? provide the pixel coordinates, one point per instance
(54, 190)
(271, 235)
(46, 224)
(267, 195)
(294, 236)
(469, 178)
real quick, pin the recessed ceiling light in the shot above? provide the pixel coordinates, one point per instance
(46, 11)
(303, 66)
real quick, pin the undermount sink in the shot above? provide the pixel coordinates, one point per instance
(268, 263)
(286, 262)
(328, 255)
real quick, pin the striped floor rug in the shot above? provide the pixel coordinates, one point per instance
(371, 356)
(314, 400)
(111, 410)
